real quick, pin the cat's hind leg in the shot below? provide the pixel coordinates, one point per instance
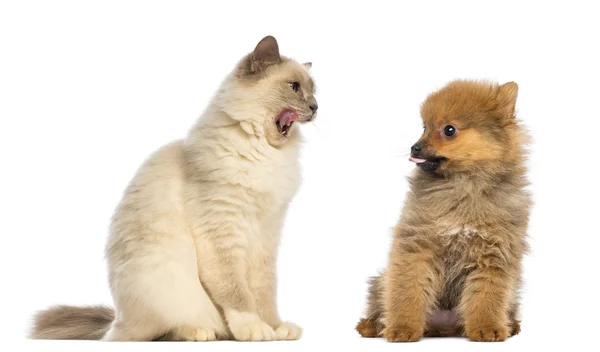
(159, 296)
(190, 333)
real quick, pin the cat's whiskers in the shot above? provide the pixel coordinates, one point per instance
(314, 124)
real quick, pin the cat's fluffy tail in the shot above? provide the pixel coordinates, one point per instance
(72, 323)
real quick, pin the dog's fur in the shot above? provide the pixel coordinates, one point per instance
(193, 243)
(455, 263)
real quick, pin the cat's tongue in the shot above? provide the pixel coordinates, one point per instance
(287, 116)
(416, 160)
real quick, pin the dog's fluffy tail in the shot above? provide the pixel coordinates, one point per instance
(72, 323)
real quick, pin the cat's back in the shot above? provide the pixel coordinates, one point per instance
(152, 203)
(159, 180)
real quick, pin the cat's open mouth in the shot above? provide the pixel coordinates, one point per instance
(284, 121)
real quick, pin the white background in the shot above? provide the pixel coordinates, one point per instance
(89, 89)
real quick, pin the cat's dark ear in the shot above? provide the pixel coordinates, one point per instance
(507, 99)
(265, 54)
(308, 65)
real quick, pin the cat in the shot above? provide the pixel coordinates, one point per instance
(193, 243)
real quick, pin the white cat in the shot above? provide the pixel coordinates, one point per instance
(193, 244)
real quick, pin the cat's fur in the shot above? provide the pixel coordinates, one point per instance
(193, 244)
(455, 263)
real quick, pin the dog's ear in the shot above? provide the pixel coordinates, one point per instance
(507, 99)
(265, 54)
(308, 65)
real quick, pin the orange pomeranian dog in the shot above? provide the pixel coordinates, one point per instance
(455, 263)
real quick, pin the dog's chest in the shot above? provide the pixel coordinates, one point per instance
(456, 239)
(456, 244)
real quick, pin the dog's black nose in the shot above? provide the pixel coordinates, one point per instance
(416, 148)
(314, 108)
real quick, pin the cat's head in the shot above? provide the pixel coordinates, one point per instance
(270, 92)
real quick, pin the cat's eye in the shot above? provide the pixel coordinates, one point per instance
(449, 131)
(295, 86)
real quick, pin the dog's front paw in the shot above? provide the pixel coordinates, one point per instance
(288, 331)
(488, 333)
(402, 333)
(249, 327)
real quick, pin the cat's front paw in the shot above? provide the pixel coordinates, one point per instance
(288, 331)
(249, 327)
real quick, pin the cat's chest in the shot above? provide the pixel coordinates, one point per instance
(275, 180)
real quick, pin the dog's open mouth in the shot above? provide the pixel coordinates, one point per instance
(429, 164)
(284, 121)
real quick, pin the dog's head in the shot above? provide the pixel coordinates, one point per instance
(468, 125)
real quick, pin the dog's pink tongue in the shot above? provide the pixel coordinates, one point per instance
(288, 117)
(416, 160)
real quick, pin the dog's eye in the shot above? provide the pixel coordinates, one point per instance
(449, 131)
(295, 86)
